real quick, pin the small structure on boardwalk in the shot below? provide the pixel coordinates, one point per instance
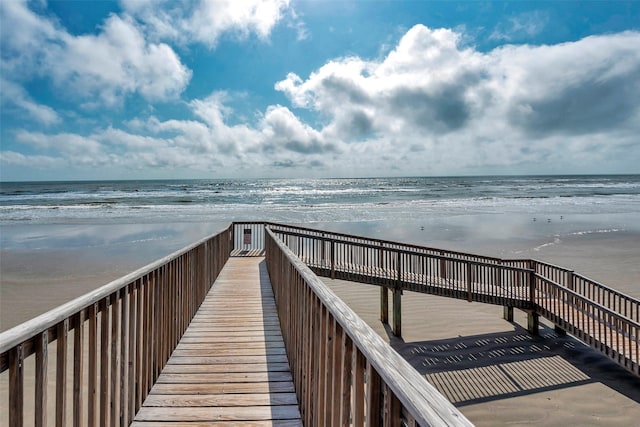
(197, 337)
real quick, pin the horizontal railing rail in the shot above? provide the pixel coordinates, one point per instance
(343, 372)
(347, 238)
(409, 269)
(110, 344)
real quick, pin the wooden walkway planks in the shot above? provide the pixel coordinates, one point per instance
(230, 367)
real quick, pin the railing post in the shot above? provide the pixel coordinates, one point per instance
(397, 303)
(16, 385)
(332, 251)
(570, 283)
(533, 321)
(469, 289)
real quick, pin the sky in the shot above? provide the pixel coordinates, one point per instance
(153, 89)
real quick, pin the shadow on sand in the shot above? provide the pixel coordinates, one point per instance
(482, 368)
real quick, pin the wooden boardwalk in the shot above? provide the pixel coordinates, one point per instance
(230, 367)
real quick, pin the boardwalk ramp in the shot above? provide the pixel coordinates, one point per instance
(230, 367)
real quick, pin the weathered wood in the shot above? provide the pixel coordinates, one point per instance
(92, 370)
(16, 385)
(104, 361)
(215, 400)
(61, 374)
(215, 374)
(415, 394)
(358, 389)
(42, 359)
(222, 388)
(508, 313)
(397, 312)
(384, 305)
(243, 413)
(373, 397)
(261, 423)
(173, 368)
(144, 314)
(78, 369)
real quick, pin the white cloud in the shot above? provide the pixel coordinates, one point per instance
(521, 26)
(118, 62)
(65, 143)
(37, 161)
(431, 106)
(15, 95)
(278, 139)
(513, 106)
(108, 66)
(206, 21)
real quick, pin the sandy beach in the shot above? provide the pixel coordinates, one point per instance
(493, 370)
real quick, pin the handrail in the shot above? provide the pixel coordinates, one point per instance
(409, 250)
(511, 283)
(408, 269)
(330, 348)
(409, 246)
(125, 330)
(610, 332)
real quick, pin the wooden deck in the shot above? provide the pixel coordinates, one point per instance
(230, 367)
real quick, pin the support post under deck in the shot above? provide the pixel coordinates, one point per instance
(397, 312)
(384, 305)
(533, 323)
(508, 313)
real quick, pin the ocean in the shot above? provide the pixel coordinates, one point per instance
(63, 239)
(418, 209)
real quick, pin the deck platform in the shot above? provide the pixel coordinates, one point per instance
(230, 367)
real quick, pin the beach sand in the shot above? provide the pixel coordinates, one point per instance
(497, 374)
(495, 371)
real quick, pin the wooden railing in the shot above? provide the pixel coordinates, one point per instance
(102, 352)
(343, 372)
(603, 295)
(573, 302)
(605, 329)
(409, 267)
(110, 344)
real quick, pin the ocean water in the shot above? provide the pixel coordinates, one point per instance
(456, 210)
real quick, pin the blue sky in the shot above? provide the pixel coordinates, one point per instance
(283, 88)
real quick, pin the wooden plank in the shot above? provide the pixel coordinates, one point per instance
(209, 400)
(221, 388)
(225, 368)
(229, 351)
(211, 360)
(243, 413)
(262, 423)
(227, 377)
(204, 339)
